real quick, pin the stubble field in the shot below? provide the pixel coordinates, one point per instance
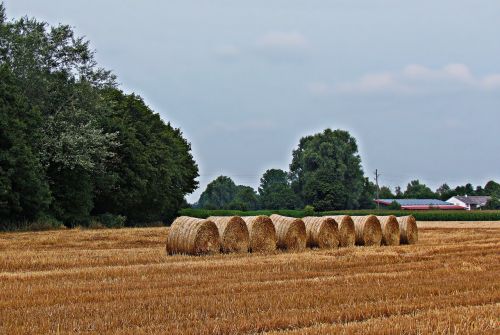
(122, 282)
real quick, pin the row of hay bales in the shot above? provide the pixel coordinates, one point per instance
(227, 234)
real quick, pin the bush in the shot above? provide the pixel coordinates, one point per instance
(394, 206)
(43, 223)
(309, 210)
(493, 203)
(108, 220)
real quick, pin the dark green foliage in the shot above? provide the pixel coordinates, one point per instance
(433, 215)
(493, 203)
(24, 191)
(444, 192)
(72, 145)
(309, 210)
(153, 168)
(245, 199)
(492, 189)
(394, 205)
(275, 191)
(385, 193)
(326, 171)
(222, 193)
(415, 190)
(468, 189)
(367, 197)
(218, 194)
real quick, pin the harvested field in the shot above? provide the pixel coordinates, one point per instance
(122, 282)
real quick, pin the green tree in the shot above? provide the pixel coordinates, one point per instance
(467, 189)
(275, 191)
(366, 200)
(58, 75)
(493, 204)
(218, 194)
(24, 192)
(97, 149)
(326, 171)
(245, 199)
(386, 193)
(445, 192)
(394, 205)
(492, 188)
(398, 193)
(415, 190)
(152, 168)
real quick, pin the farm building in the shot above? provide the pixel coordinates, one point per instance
(469, 202)
(419, 204)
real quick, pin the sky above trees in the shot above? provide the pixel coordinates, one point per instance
(417, 83)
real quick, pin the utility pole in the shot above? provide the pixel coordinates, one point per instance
(376, 182)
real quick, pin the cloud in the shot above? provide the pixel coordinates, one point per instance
(283, 40)
(227, 51)
(283, 46)
(413, 79)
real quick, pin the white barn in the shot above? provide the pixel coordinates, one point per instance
(469, 202)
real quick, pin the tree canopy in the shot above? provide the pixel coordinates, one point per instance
(80, 146)
(276, 192)
(326, 171)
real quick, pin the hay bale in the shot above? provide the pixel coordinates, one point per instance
(262, 233)
(321, 232)
(291, 233)
(368, 230)
(390, 229)
(347, 232)
(233, 232)
(408, 229)
(193, 236)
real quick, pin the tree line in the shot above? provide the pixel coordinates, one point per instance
(74, 147)
(326, 174)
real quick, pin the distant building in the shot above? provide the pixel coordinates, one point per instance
(419, 204)
(469, 202)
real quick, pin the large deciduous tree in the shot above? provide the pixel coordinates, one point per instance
(24, 191)
(416, 190)
(218, 194)
(80, 146)
(326, 171)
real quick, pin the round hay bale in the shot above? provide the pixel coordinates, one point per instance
(321, 232)
(368, 230)
(390, 229)
(193, 236)
(262, 233)
(291, 233)
(233, 233)
(347, 232)
(408, 229)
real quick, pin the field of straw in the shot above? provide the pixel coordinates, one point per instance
(122, 282)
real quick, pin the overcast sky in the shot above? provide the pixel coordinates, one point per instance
(417, 82)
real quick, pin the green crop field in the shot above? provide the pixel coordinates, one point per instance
(434, 215)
